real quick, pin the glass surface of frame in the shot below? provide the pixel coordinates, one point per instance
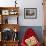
(30, 13)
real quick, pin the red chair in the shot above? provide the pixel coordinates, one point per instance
(29, 33)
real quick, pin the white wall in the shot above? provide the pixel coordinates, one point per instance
(32, 4)
(7, 3)
(27, 4)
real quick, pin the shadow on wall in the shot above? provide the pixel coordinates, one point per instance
(37, 29)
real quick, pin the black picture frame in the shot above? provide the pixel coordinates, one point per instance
(30, 13)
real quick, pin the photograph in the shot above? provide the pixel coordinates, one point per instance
(30, 13)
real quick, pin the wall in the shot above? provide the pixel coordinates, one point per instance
(32, 4)
(7, 3)
(27, 4)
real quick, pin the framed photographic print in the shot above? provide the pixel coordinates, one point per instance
(30, 13)
(5, 12)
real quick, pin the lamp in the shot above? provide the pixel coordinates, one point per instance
(15, 3)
